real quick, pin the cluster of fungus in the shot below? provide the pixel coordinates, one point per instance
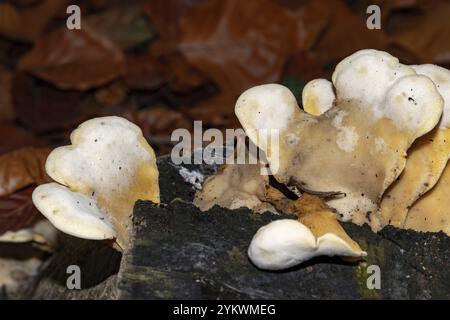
(373, 142)
(371, 146)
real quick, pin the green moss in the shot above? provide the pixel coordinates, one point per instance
(375, 256)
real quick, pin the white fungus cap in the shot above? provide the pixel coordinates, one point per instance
(106, 169)
(318, 96)
(286, 243)
(441, 78)
(72, 212)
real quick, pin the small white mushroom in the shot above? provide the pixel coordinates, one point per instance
(108, 167)
(318, 96)
(285, 243)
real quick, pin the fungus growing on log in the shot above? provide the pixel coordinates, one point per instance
(427, 159)
(357, 148)
(286, 243)
(98, 178)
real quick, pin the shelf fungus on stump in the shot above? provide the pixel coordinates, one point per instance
(358, 147)
(425, 164)
(350, 147)
(402, 204)
(99, 177)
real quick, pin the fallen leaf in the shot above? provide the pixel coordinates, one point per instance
(159, 120)
(143, 72)
(425, 35)
(28, 23)
(6, 108)
(234, 45)
(21, 168)
(74, 59)
(111, 95)
(42, 108)
(126, 27)
(13, 137)
(216, 112)
(166, 14)
(162, 66)
(180, 74)
(346, 32)
(17, 211)
(10, 51)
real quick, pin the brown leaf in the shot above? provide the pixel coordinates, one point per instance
(125, 26)
(143, 72)
(329, 31)
(234, 44)
(74, 59)
(17, 211)
(306, 65)
(160, 66)
(42, 108)
(22, 168)
(346, 32)
(14, 137)
(29, 22)
(6, 108)
(423, 38)
(216, 112)
(179, 73)
(111, 95)
(166, 14)
(159, 121)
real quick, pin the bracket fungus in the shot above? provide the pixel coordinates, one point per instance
(427, 159)
(234, 186)
(286, 243)
(98, 178)
(357, 148)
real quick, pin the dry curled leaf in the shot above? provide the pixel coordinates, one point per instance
(143, 72)
(345, 33)
(6, 109)
(424, 37)
(74, 59)
(234, 44)
(159, 120)
(166, 14)
(17, 211)
(179, 73)
(14, 137)
(45, 108)
(29, 22)
(21, 168)
(112, 95)
(216, 112)
(126, 27)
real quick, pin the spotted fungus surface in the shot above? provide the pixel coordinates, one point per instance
(426, 161)
(357, 147)
(98, 178)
